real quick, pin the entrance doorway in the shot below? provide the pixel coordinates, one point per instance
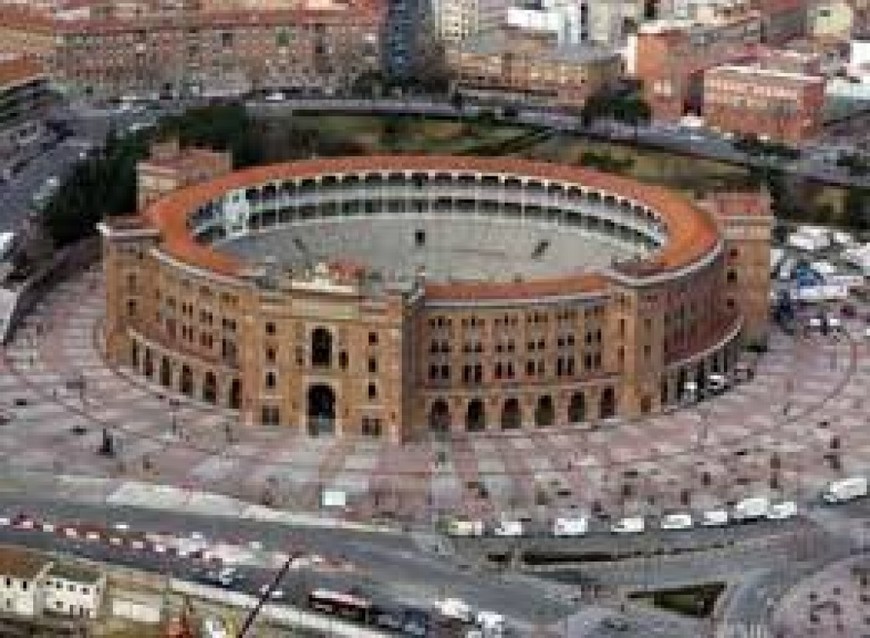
(321, 410)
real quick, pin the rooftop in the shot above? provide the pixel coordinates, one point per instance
(16, 70)
(75, 572)
(20, 563)
(498, 42)
(759, 71)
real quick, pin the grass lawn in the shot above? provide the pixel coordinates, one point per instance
(697, 601)
(415, 134)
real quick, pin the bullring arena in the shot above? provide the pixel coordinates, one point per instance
(399, 296)
(71, 372)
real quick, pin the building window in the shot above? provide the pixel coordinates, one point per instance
(373, 365)
(270, 355)
(373, 338)
(732, 276)
(270, 415)
(270, 380)
(270, 328)
(372, 391)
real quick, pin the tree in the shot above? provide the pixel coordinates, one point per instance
(856, 208)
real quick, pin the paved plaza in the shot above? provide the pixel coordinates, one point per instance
(798, 424)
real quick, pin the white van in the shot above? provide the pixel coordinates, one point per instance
(628, 525)
(751, 509)
(455, 608)
(465, 528)
(714, 518)
(845, 489)
(508, 528)
(570, 526)
(676, 521)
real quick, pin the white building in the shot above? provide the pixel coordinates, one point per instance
(74, 590)
(568, 19)
(455, 20)
(21, 573)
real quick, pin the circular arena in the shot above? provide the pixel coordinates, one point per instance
(400, 296)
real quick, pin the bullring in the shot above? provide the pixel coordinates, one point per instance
(366, 296)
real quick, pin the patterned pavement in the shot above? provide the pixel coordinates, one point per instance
(806, 403)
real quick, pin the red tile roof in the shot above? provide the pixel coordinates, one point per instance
(17, 70)
(692, 232)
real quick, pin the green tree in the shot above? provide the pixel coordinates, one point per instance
(856, 208)
(103, 186)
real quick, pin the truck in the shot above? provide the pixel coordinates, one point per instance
(846, 489)
(508, 528)
(751, 509)
(458, 527)
(570, 526)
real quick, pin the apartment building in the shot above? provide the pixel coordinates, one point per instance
(532, 67)
(74, 590)
(456, 20)
(198, 53)
(24, 97)
(21, 573)
(767, 103)
(672, 55)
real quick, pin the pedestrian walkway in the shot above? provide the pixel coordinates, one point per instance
(784, 433)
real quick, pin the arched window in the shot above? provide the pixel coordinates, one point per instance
(186, 380)
(321, 348)
(544, 413)
(149, 363)
(607, 409)
(475, 416)
(439, 416)
(209, 388)
(235, 396)
(511, 417)
(165, 372)
(577, 408)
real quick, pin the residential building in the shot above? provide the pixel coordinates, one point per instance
(74, 590)
(456, 20)
(781, 20)
(532, 67)
(24, 97)
(21, 573)
(766, 103)
(672, 55)
(612, 21)
(168, 168)
(199, 53)
(831, 20)
(567, 20)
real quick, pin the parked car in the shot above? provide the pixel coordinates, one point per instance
(782, 511)
(570, 526)
(676, 521)
(628, 525)
(714, 518)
